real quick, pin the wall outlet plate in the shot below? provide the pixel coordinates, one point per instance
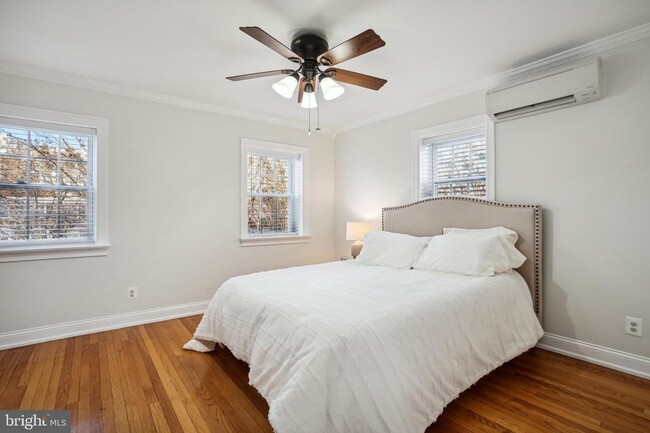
(132, 292)
(634, 326)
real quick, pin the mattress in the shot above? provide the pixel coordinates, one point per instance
(343, 347)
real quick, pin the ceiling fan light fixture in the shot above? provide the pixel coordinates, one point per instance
(286, 86)
(330, 88)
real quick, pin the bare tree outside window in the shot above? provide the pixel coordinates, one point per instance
(273, 200)
(46, 185)
(271, 194)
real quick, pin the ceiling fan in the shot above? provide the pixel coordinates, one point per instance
(311, 52)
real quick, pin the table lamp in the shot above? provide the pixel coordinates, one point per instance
(356, 231)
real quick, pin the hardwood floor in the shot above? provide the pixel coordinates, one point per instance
(140, 380)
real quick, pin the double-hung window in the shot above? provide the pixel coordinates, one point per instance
(273, 193)
(48, 190)
(454, 161)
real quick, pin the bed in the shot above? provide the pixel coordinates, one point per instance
(343, 347)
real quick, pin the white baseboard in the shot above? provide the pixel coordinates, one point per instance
(612, 358)
(40, 334)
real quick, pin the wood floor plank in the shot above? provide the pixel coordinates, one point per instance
(49, 399)
(238, 372)
(565, 384)
(89, 412)
(49, 378)
(40, 363)
(601, 385)
(140, 380)
(173, 388)
(467, 419)
(241, 412)
(137, 408)
(73, 393)
(159, 418)
(26, 375)
(140, 367)
(212, 415)
(585, 417)
(191, 322)
(65, 381)
(106, 393)
(117, 389)
(12, 393)
(237, 408)
(163, 402)
(7, 365)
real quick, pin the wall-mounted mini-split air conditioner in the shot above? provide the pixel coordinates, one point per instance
(560, 88)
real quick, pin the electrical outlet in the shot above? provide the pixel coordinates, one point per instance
(132, 293)
(634, 326)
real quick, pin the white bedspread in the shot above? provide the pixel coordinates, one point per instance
(343, 347)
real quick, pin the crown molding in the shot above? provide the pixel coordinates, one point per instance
(129, 92)
(573, 54)
(538, 66)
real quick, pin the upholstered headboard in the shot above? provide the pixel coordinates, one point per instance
(428, 217)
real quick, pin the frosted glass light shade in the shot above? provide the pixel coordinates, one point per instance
(286, 86)
(331, 89)
(356, 231)
(309, 100)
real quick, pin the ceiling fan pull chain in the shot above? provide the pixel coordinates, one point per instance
(317, 105)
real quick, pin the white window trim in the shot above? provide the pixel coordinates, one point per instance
(418, 137)
(72, 249)
(245, 239)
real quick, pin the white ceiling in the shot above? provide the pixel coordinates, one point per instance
(186, 48)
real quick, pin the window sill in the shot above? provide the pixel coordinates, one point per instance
(273, 240)
(48, 252)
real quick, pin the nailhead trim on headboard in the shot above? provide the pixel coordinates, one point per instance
(537, 289)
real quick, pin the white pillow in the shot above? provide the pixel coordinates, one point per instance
(480, 256)
(391, 249)
(494, 231)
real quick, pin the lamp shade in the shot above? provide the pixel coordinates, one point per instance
(356, 231)
(286, 86)
(331, 89)
(309, 100)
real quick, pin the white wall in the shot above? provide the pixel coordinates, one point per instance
(174, 211)
(588, 166)
(374, 164)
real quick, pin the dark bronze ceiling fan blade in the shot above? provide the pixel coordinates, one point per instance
(355, 78)
(260, 75)
(301, 89)
(360, 44)
(271, 42)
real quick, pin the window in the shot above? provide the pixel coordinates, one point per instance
(454, 160)
(273, 198)
(48, 190)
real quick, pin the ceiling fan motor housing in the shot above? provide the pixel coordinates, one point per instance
(309, 46)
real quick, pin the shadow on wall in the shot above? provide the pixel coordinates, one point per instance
(554, 295)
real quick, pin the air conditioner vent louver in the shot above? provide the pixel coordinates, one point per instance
(553, 103)
(561, 88)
